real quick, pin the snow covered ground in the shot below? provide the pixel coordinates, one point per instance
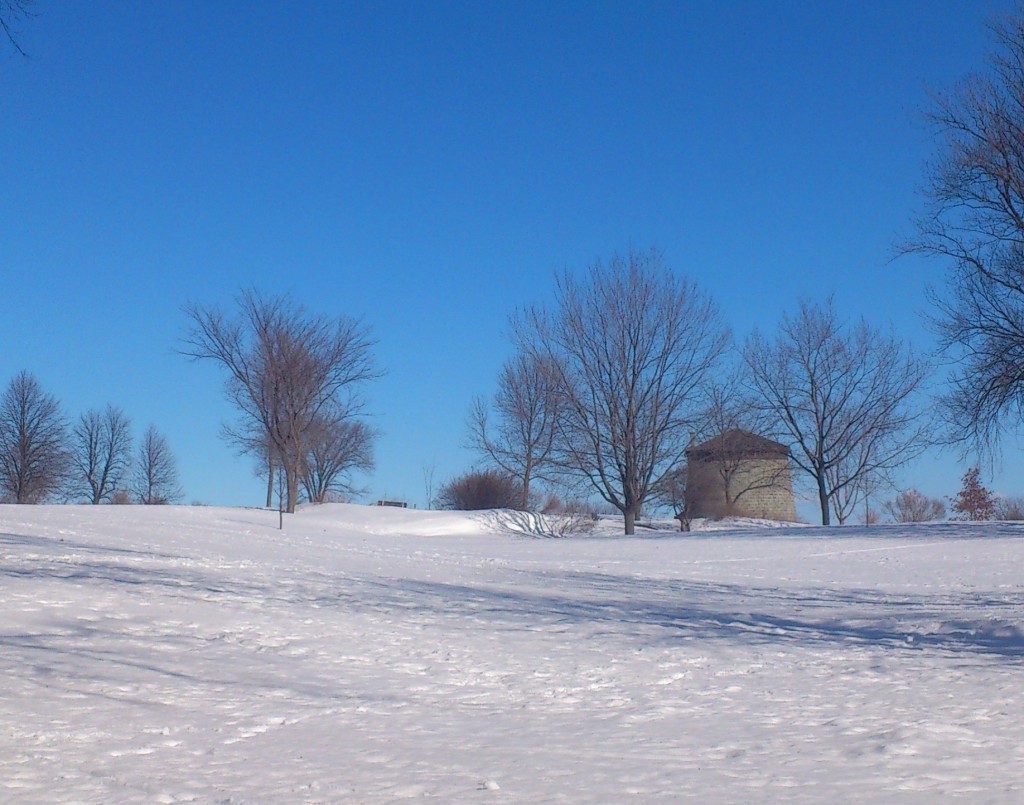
(174, 654)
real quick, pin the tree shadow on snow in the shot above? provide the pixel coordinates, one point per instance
(669, 610)
(645, 609)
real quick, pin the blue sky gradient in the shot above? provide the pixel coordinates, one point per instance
(429, 167)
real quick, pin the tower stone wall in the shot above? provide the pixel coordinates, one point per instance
(740, 474)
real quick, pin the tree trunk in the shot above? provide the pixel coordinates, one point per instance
(270, 484)
(629, 515)
(293, 489)
(823, 500)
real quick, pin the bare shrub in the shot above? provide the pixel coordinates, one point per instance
(482, 489)
(553, 504)
(550, 504)
(913, 507)
(570, 516)
(1010, 508)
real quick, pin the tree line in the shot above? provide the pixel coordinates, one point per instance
(609, 386)
(611, 382)
(43, 457)
(292, 376)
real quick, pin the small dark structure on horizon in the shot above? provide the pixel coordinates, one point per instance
(739, 474)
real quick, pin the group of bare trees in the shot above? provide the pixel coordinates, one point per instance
(605, 384)
(43, 459)
(609, 384)
(608, 387)
(294, 378)
(624, 353)
(631, 346)
(910, 506)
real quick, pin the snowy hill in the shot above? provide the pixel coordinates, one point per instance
(370, 655)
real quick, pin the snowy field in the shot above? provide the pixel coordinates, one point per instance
(363, 655)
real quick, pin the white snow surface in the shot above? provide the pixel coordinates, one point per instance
(371, 655)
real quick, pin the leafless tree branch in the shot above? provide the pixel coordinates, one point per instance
(974, 221)
(11, 12)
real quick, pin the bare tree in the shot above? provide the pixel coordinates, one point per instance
(843, 395)
(1010, 508)
(285, 367)
(336, 448)
(913, 507)
(527, 404)
(101, 453)
(429, 470)
(632, 346)
(849, 495)
(11, 12)
(33, 436)
(156, 471)
(974, 221)
(670, 491)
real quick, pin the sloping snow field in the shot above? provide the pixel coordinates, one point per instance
(364, 655)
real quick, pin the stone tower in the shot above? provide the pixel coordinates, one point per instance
(741, 474)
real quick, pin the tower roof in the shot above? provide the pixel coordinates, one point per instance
(737, 443)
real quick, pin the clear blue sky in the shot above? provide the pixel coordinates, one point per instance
(428, 166)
